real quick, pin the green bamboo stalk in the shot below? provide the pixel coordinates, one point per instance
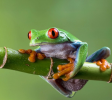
(19, 62)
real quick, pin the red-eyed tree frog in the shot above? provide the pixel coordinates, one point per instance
(58, 43)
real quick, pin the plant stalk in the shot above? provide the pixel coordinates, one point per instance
(19, 62)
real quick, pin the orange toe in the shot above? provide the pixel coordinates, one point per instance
(62, 67)
(55, 76)
(108, 66)
(103, 67)
(28, 51)
(40, 56)
(67, 77)
(65, 71)
(103, 64)
(32, 57)
(22, 51)
(98, 63)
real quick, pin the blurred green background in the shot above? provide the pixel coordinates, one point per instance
(89, 20)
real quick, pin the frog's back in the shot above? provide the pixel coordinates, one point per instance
(71, 37)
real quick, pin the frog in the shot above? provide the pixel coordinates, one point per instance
(58, 43)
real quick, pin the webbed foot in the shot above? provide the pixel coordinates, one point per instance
(33, 55)
(103, 64)
(65, 70)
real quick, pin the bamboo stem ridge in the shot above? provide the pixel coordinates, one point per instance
(19, 62)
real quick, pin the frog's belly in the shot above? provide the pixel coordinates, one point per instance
(61, 51)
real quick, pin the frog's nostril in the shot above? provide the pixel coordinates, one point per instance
(37, 38)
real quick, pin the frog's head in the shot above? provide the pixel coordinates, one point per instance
(52, 35)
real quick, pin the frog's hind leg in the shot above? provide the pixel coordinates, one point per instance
(99, 58)
(103, 53)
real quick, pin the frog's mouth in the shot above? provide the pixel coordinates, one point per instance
(45, 43)
(38, 44)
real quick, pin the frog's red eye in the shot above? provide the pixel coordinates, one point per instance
(29, 35)
(53, 33)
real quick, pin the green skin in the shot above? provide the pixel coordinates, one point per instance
(41, 38)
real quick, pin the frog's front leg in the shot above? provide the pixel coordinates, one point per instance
(33, 54)
(99, 58)
(71, 69)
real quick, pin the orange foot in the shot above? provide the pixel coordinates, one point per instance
(65, 70)
(103, 64)
(33, 55)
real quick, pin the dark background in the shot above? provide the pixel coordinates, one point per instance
(89, 20)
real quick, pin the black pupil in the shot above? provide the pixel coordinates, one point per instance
(28, 35)
(53, 33)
